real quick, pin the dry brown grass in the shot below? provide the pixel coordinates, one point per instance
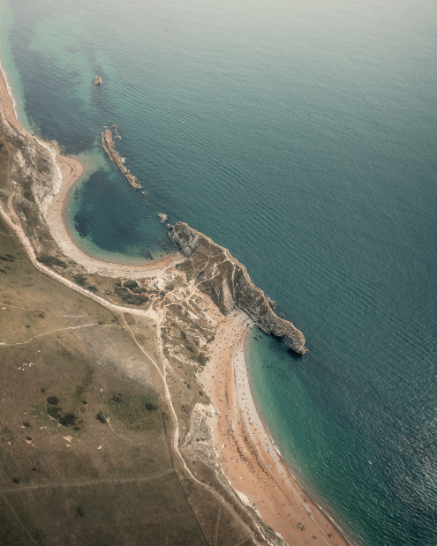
(87, 483)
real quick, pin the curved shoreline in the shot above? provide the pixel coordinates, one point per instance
(11, 219)
(240, 406)
(287, 467)
(72, 170)
(246, 451)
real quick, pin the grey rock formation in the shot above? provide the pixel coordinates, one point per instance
(227, 283)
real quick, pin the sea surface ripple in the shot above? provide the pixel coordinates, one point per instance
(301, 136)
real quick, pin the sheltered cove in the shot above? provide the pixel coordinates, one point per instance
(200, 301)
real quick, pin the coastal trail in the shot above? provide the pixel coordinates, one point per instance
(14, 224)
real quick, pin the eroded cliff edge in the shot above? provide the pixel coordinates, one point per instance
(226, 281)
(29, 182)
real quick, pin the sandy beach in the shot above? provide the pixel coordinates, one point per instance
(6, 102)
(71, 170)
(246, 452)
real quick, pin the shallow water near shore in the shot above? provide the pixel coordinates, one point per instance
(101, 182)
(301, 136)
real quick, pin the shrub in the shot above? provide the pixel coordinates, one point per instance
(68, 419)
(51, 260)
(101, 418)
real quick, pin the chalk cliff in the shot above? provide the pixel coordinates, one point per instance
(29, 183)
(227, 283)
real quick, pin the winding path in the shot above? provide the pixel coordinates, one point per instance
(12, 220)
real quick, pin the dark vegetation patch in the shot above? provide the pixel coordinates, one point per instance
(51, 260)
(133, 286)
(7, 258)
(82, 280)
(68, 419)
(101, 418)
(202, 359)
(125, 295)
(136, 412)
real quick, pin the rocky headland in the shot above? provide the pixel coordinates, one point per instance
(226, 281)
(181, 335)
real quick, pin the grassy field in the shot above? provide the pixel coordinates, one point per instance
(84, 456)
(85, 431)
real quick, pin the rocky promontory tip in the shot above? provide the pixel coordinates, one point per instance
(226, 281)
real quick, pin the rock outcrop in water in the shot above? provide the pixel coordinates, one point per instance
(114, 156)
(226, 281)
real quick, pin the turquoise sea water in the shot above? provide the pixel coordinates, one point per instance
(302, 136)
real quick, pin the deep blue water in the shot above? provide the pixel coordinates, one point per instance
(301, 136)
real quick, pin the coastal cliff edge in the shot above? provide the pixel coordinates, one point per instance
(226, 281)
